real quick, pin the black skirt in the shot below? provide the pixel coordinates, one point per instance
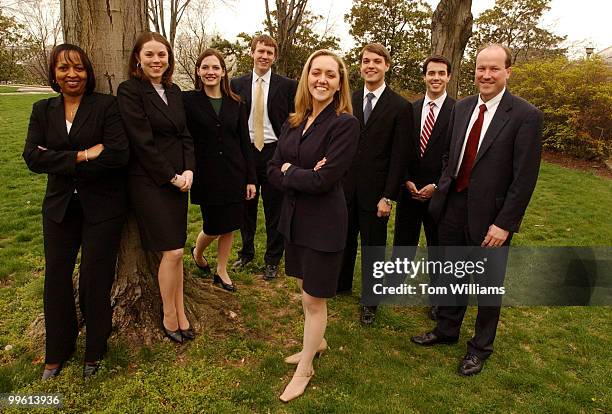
(222, 219)
(318, 270)
(161, 213)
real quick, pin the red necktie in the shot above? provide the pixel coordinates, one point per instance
(427, 128)
(469, 155)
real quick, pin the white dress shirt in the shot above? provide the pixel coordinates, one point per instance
(492, 105)
(439, 101)
(269, 135)
(376, 93)
(159, 88)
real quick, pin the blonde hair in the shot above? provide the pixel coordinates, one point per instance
(303, 99)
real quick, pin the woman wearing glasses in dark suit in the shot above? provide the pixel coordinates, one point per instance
(78, 140)
(161, 168)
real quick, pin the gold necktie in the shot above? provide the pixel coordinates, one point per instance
(258, 115)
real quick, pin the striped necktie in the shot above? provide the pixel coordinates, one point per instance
(427, 128)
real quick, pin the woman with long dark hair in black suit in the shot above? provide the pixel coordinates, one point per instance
(161, 168)
(225, 172)
(78, 140)
(314, 153)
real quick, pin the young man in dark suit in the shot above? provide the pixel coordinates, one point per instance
(269, 99)
(378, 168)
(493, 164)
(431, 114)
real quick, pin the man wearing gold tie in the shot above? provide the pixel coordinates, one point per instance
(269, 98)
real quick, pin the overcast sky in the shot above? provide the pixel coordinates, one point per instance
(586, 21)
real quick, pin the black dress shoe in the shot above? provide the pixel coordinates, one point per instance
(230, 287)
(90, 369)
(368, 314)
(271, 272)
(430, 338)
(173, 335)
(204, 269)
(432, 313)
(52, 373)
(241, 262)
(470, 365)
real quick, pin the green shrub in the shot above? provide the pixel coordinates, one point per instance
(576, 98)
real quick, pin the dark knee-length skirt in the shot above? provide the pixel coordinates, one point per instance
(318, 270)
(222, 219)
(161, 213)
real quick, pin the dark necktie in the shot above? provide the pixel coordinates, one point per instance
(427, 128)
(368, 107)
(469, 155)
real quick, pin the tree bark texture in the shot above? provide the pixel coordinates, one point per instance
(283, 24)
(451, 28)
(106, 30)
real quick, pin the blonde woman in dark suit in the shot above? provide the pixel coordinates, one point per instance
(313, 154)
(78, 140)
(225, 172)
(161, 168)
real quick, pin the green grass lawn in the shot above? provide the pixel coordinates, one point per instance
(546, 360)
(6, 88)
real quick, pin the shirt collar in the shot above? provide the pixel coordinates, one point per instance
(439, 101)
(493, 102)
(266, 77)
(376, 92)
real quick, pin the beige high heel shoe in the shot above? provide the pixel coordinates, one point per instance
(288, 396)
(295, 358)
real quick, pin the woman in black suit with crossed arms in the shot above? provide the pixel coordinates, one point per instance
(78, 140)
(225, 172)
(314, 152)
(161, 168)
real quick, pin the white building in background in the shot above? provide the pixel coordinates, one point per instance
(606, 55)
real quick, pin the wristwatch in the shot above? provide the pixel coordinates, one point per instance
(387, 201)
(435, 186)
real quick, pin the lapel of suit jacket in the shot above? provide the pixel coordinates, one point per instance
(358, 106)
(500, 118)
(418, 108)
(207, 108)
(173, 100)
(57, 117)
(248, 90)
(85, 108)
(328, 111)
(380, 107)
(274, 86)
(440, 119)
(462, 120)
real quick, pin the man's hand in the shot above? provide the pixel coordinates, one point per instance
(384, 209)
(411, 187)
(495, 237)
(426, 192)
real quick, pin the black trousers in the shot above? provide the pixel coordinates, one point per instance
(409, 217)
(272, 201)
(372, 231)
(453, 231)
(99, 243)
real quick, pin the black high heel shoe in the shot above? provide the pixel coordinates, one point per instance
(175, 336)
(90, 369)
(188, 333)
(204, 269)
(230, 287)
(53, 372)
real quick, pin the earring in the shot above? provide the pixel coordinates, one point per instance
(138, 66)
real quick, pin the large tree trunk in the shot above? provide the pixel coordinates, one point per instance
(107, 30)
(451, 28)
(283, 24)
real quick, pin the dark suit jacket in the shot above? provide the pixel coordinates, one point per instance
(314, 211)
(427, 169)
(281, 95)
(384, 147)
(506, 167)
(224, 160)
(100, 183)
(160, 142)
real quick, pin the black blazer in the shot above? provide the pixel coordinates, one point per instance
(224, 160)
(427, 169)
(160, 142)
(506, 167)
(281, 95)
(100, 183)
(313, 213)
(384, 148)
